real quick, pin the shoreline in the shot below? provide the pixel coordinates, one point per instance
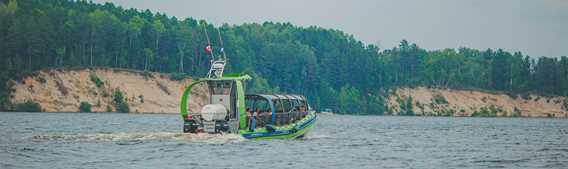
(88, 112)
(368, 115)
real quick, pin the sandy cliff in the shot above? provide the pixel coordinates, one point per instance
(60, 90)
(428, 101)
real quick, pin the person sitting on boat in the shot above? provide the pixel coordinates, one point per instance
(252, 119)
(259, 116)
(295, 113)
(302, 111)
(268, 112)
(249, 115)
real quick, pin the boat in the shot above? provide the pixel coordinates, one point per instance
(326, 112)
(254, 116)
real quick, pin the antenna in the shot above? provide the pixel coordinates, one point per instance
(222, 46)
(208, 41)
(217, 66)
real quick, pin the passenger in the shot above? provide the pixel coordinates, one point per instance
(302, 111)
(296, 114)
(267, 116)
(248, 112)
(253, 121)
(248, 115)
(259, 117)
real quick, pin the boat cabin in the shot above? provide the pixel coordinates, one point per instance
(275, 110)
(224, 92)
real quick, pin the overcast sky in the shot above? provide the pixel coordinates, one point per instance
(534, 27)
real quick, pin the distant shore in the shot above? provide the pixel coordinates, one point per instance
(422, 101)
(122, 90)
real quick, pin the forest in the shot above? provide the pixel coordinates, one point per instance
(331, 67)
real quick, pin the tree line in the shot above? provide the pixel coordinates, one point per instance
(332, 68)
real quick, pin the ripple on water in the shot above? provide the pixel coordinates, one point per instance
(78, 140)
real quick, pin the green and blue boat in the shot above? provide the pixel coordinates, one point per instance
(254, 116)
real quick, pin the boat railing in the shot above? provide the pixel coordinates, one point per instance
(281, 118)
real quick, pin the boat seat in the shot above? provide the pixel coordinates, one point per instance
(287, 118)
(266, 119)
(278, 117)
(282, 120)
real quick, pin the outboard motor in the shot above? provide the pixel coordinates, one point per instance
(215, 118)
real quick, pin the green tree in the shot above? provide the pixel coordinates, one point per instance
(85, 107)
(120, 102)
(184, 39)
(260, 85)
(9, 8)
(60, 55)
(149, 57)
(28, 106)
(499, 71)
(158, 27)
(135, 25)
(349, 100)
(406, 106)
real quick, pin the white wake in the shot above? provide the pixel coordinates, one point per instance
(120, 136)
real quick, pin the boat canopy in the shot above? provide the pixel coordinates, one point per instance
(276, 109)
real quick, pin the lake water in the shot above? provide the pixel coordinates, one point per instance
(92, 140)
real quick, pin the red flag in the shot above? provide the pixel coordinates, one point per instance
(208, 49)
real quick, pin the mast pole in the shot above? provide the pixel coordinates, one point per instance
(208, 41)
(222, 46)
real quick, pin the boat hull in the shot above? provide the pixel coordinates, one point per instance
(296, 130)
